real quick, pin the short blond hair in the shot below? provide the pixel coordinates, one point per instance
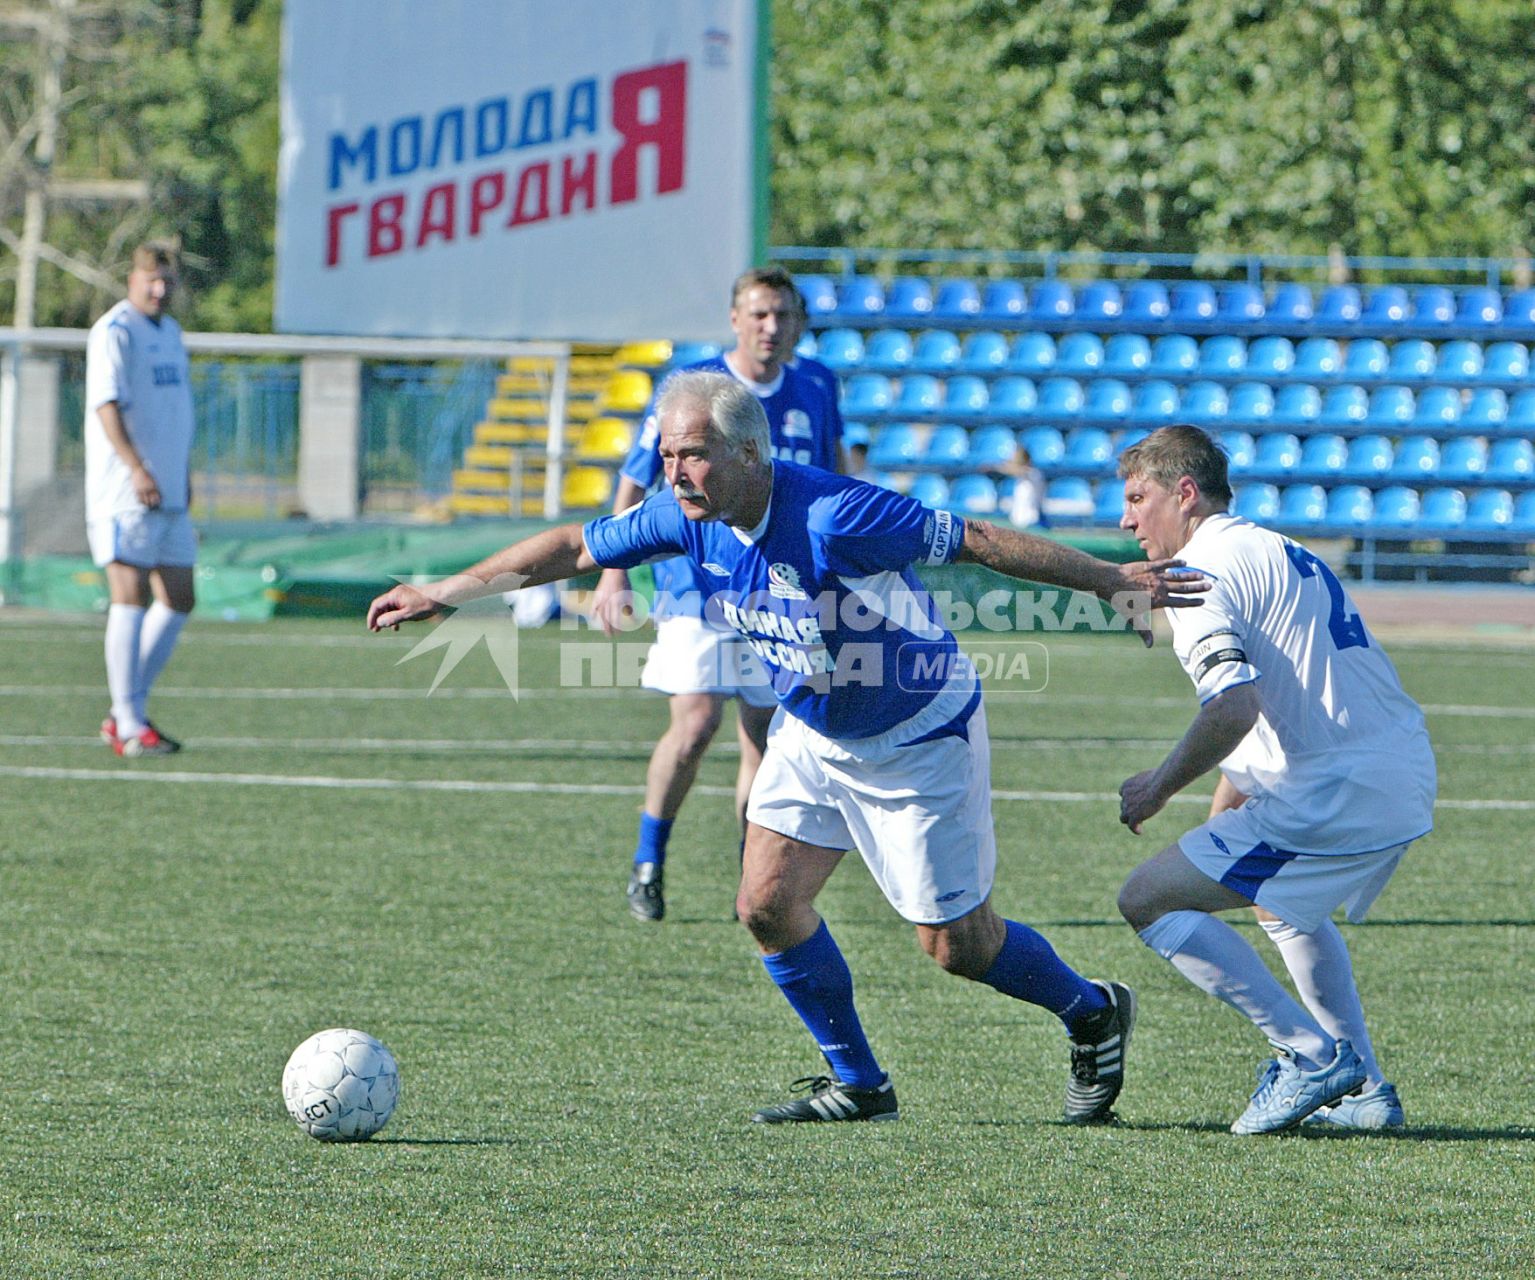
(1170, 453)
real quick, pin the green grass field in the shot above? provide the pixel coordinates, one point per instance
(336, 848)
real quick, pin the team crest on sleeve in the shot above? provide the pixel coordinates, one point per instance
(783, 582)
(1213, 650)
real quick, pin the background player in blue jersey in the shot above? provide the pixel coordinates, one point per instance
(880, 742)
(699, 665)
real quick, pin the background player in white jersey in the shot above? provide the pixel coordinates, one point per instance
(880, 741)
(138, 447)
(1327, 776)
(701, 666)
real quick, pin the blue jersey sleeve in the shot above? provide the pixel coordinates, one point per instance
(869, 529)
(643, 465)
(654, 530)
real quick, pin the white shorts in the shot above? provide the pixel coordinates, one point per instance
(920, 814)
(689, 656)
(1302, 889)
(145, 539)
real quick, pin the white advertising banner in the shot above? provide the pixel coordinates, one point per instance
(580, 169)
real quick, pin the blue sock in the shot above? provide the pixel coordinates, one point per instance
(815, 979)
(654, 833)
(1027, 968)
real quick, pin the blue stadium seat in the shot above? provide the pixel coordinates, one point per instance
(1004, 301)
(1482, 307)
(1270, 357)
(896, 445)
(1386, 305)
(1240, 304)
(1369, 458)
(1069, 498)
(992, 448)
(1459, 360)
(1365, 358)
(1490, 511)
(1487, 410)
(1088, 448)
(1433, 304)
(1013, 397)
(840, 350)
(1322, 458)
(887, 351)
(1078, 354)
(1437, 407)
(1059, 398)
(1133, 435)
(1463, 461)
(1412, 360)
(1416, 460)
(1109, 503)
(920, 394)
(856, 433)
(908, 298)
(1203, 403)
(1349, 505)
(1099, 300)
(864, 394)
(1339, 304)
(1278, 453)
(1318, 359)
(947, 447)
(1292, 303)
(819, 293)
(1155, 402)
(1442, 510)
(1395, 508)
(1343, 406)
(984, 351)
(1222, 355)
(1046, 445)
(1391, 407)
(1256, 502)
(1106, 398)
(1521, 412)
(1051, 300)
(804, 349)
(1511, 462)
(1146, 302)
(1505, 362)
(1296, 404)
(1238, 448)
(692, 352)
(930, 489)
(957, 301)
(937, 351)
(1302, 505)
(1031, 354)
(1524, 513)
(965, 396)
(859, 298)
(1192, 300)
(972, 495)
(1174, 354)
(1519, 309)
(1250, 402)
(1126, 353)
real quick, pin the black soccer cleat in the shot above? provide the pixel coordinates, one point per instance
(1098, 1062)
(829, 1099)
(647, 900)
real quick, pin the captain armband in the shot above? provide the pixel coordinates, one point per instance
(1214, 650)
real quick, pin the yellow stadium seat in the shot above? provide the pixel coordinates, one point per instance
(606, 439)
(627, 392)
(586, 487)
(644, 355)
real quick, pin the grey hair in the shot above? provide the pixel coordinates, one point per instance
(733, 410)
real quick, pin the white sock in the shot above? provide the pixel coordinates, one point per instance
(1218, 960)
(162, 628)
(1320, 967)
(124, 624)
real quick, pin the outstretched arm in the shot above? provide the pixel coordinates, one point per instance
(1214, 734)
(550, 556)
(1133, 589)
(611, 600)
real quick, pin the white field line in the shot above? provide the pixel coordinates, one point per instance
(314, 782)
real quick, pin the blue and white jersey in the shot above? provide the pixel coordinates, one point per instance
(806, 427)
(824, 593)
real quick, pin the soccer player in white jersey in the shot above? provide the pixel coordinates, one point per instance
(880, 739)
(1326, 776)
(138, 446)
(700, 665)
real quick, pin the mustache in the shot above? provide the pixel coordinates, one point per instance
(691, 495)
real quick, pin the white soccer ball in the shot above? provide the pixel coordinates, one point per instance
(341, 1085)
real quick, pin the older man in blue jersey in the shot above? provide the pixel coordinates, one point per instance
(880, 740)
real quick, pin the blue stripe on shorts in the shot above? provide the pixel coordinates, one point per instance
(1261, 862)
